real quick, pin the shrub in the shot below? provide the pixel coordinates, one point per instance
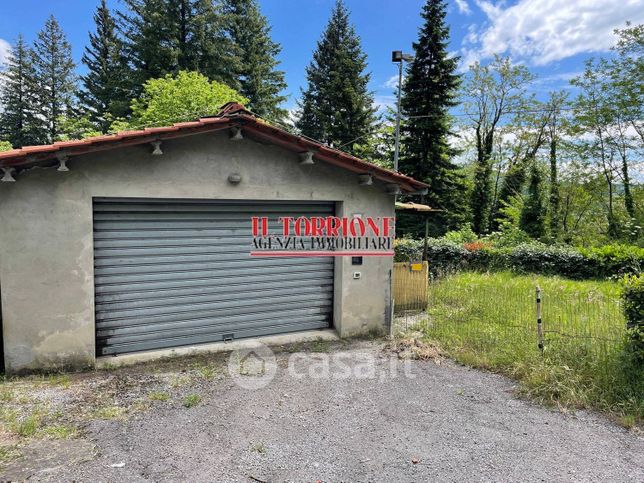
(407, 250)
(548, 260)
(615, 260)
(509, 236)
(633, 297)
(464, 235)
(446, 256)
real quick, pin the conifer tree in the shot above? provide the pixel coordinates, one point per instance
(54, 74)
(259, 80)
(337, 107)
(19, 124)
(150, 40)
(167, 36)
(532, 215)
(105, 96)
(203, 41)
(429, 91)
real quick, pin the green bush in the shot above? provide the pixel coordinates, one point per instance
(447, 256)
(615, 260)
(408, 250)
(548, 260)
(464, 235)
(633, 297)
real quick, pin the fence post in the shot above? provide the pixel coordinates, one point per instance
(539, 327)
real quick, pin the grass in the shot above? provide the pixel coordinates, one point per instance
(109, 412)
(29, 426)
(191, 400)
(321, 345)
(60, 431)
(489, 321)
(158, 396)
(259, 448)
(8, 453)
(62, 380)
(207, 372)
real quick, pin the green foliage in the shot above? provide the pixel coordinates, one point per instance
(492, 92)
(615, 260)
(509, 236)
(488, 320)
(464, 235)
(337, 106)
(5, 146)
(407, 250)
(446, 256)
(54, 77)
(106, 93)
(185, 97)
(166, 36)
(191, 400)
(80, 127)
(259, 81)
(19, 122)
(633, 297)
(429, 91)
(533, 216)
(150, 40)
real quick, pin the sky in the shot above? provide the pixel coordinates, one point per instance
(552, 37)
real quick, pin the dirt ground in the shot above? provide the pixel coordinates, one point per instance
(332, 412)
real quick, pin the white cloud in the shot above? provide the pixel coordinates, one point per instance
(5, 48)
(383, 102)
(391, 83)
(544, 31)
(463, 7)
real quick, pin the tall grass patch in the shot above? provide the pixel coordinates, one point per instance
(489, 320)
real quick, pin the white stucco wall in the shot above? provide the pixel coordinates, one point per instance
(46, 242)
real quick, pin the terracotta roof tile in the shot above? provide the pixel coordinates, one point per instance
(231, 114)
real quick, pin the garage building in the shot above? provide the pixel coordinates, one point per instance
(140, 241)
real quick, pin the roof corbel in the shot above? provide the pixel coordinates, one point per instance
(306, 158)
(8, 175)
(62, 158)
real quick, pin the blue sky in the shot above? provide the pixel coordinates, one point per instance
(552, 37)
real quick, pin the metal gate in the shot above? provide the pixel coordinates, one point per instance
(171, 273)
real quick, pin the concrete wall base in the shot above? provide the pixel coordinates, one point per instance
(271, 340)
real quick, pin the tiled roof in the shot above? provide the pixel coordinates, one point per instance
(231, 115)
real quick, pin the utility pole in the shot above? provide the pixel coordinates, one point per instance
(398, 57)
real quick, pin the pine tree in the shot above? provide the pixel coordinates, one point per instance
(150, 40)
(18, 121)
(259, 80)
(55, 81)
(337, 107)
(203, 42)
(167, 36)
(429, 92)
(533, 215)
(105, 96)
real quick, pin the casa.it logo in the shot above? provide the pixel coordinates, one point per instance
(322, 236)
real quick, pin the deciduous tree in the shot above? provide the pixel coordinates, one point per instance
(491, 92)
(185, 97)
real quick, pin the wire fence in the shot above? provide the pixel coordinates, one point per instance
(497, 316)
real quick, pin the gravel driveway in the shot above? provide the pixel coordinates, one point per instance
(439, 422)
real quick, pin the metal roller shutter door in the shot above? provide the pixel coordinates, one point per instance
(176, 273)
